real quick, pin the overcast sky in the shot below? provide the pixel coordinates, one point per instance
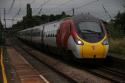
(17, 8)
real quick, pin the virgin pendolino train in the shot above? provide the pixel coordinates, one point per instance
(82, 36)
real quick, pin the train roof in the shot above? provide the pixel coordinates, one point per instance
(76, 18)
(84, 17)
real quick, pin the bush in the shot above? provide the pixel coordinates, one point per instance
(115, 31)
(117, 46)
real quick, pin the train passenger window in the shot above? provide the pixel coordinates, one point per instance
(48, 35)
(52, 35)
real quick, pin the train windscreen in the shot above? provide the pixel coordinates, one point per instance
(90, 31)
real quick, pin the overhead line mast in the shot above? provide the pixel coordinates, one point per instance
(73, 9)
(105, 10)
(43, 5)
(11, 6)
(5, 18)
(18, 12)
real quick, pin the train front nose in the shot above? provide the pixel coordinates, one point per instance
(97, 50)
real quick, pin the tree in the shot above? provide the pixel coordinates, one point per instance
(63, 13)
(117, 26)
(52, 17)
(31, 21)
(120, 21)
(1, 26)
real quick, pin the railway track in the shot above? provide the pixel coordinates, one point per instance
(108, 73)
(105, 71)
(77, 75)
(102, 74)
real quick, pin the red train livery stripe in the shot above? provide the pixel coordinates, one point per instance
(66, 29)
(63, 33)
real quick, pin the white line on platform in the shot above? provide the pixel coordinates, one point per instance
(41, 76)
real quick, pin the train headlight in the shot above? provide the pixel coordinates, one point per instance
(79, 42)
(105, 42)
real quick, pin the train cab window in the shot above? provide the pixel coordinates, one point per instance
(90, 31)
(89, 27)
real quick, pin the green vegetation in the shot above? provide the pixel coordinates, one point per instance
(1, 34)
(1, 26)
(116, 30)
(31, 21)
(117, 26)
(117, 46)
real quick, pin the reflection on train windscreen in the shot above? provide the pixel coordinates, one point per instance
(89, 27)
(90, 31)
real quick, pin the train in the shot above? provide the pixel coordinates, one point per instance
(82, 36)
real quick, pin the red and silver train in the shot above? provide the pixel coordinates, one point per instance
(83, 36)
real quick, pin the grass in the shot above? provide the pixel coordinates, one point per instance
(117, 46)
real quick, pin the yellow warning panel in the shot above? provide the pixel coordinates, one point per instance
(2, 66)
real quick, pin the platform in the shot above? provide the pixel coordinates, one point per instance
(24, 71)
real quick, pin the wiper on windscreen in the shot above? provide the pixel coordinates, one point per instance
(89, 31)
